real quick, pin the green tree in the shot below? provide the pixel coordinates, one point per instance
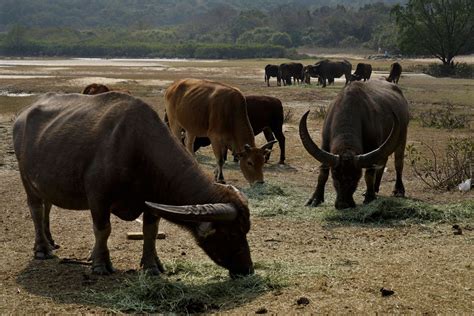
(16, 39)
(281, 39)
(441, 28)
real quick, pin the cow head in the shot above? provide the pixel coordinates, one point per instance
(346, 167)
(251, 162)
(218, 229)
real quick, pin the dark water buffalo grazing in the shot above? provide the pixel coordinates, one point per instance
(310, 71)
(328, 70)
(111, 153)
(291, 70)
(210, 109)
(265, 115)
(364, 125)
(362, 72)
(272, 71)
(97, 88)
(395, 72)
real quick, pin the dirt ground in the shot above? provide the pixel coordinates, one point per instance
(429, 268)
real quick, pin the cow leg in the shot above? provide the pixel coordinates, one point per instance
(399, 190)
(370, 183)
(100, 256)
(318, 195)
(42, 248)
(190, 139)
(219, 152)
(269, 137)
(47, 210)
(150, 261)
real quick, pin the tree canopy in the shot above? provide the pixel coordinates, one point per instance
(441, 28)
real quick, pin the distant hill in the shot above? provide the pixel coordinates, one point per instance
(86, 14)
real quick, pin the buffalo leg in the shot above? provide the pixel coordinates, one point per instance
(318, 195)
(378, 176)
(150, 261)
(42, 249)
(269, 137)
(47, 230)
(399, 190)
(100, 256)
(277, 130)
(370, 183)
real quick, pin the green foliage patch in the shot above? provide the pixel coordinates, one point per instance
(270, 200)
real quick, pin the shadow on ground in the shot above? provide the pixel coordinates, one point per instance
(184, 288)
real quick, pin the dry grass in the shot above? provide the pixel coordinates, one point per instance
(190, 287)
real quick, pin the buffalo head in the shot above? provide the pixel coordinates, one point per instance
(346, 166)
(218, 230)
(252, 160)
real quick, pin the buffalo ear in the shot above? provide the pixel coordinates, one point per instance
(205, 230)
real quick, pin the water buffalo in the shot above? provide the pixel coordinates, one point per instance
(111, 153)
(363, 71)
(265, 115)
(395, 72)
(97, 88)
(364, 125)
(291, 70)
(310, 71)
(210, 109)
(272, 71)
(327, 69)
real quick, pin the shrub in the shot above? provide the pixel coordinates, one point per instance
(458, 70)
(443, 118)
(446, 172)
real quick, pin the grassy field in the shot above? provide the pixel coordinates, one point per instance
(307, 260)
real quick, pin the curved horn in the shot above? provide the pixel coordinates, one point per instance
(268, 145)
(313, 149)
(217, 212)
(371, 158)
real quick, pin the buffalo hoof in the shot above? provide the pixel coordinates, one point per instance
(369, 199)
(398, 194)
(281, 162)
(44, 255)
(313, 202)
(103, 269)
(153, 268)
(221, 181)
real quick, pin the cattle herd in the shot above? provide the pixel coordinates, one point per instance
(109, 152)
(325, 71)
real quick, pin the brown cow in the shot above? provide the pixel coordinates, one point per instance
(218, 111)
(110, 153)
(366, 123)
(97, 88)
(395, 73)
